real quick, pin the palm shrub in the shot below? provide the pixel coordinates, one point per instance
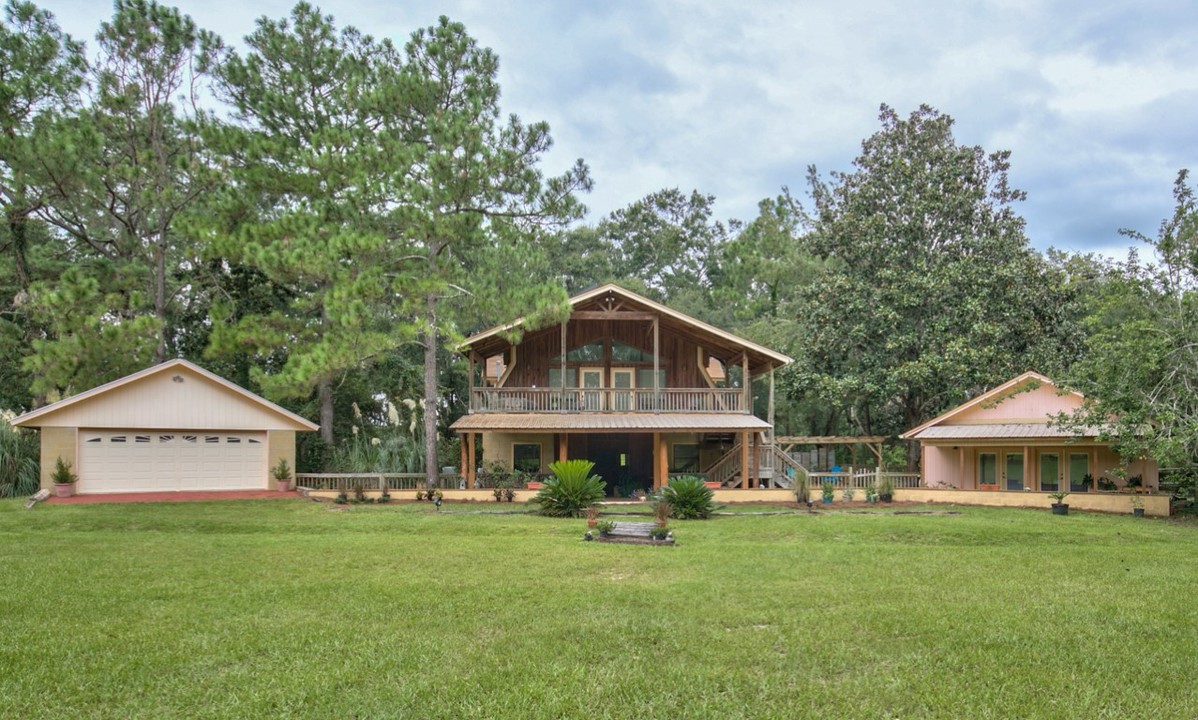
(19, 461)
(689, 497)
(571, 490)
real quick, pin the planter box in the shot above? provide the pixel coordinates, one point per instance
(712, 485)
(535, 485)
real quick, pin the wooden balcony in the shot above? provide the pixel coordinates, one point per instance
(608, 400)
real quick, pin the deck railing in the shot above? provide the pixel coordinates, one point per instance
(860, 479)
(577, 400)
(374, 481)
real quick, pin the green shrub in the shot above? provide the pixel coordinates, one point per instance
(19, 468)
(282, 471)
(62, 473)
(828, 490)
(802, 487)
(604, 526)
(689, 498)
(571, 490)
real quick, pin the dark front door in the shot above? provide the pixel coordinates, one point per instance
(623, 460)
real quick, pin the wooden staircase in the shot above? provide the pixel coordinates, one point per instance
(774, 467)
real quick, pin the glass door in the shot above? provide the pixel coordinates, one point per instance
(1050, 471)
(592, 388)
(623, 380)
(987, 471)
(1014, 471)
(1079, 468)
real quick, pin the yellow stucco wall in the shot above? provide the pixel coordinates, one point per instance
(498, 446)
(1155, 505)
(57, 442)
(280, 445)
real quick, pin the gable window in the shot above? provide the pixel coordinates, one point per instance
(621, 352)
(526, 457)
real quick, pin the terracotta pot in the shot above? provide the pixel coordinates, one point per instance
(283, 485)
(592, 523)
(712, 485)
(64, 489)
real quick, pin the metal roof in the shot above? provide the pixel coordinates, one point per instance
(998, 431)
(609, 422)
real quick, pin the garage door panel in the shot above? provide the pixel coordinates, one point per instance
(120, 461)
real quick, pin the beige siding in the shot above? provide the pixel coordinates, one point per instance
(57, 442)
(280, 446)
(159, 402)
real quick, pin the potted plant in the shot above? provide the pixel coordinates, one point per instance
(827, 489)
(659, 533)
(592, 514)
(64, 479)
(604, 527)
(1137, 506)
(1135, 482)
(1059, 507)
(282, 475)
(885, 490)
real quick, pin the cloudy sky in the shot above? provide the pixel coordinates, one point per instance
(1096, 100)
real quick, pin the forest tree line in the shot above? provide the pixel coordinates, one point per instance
(321, 215)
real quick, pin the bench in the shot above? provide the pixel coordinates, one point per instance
(635, 534)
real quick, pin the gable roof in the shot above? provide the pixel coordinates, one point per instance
(991, 394)
(37, 418)
(491, 340)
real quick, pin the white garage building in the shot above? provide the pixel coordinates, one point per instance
(171, 427)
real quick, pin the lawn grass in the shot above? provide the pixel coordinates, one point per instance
(283, 608)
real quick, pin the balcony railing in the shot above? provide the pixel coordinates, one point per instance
(578, 400)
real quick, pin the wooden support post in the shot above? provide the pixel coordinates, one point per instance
(562, 447)
(663, 460)
(770, 419)
(656, 365)
(462, 467)
(961, 468)
(747, 382)
(470, 381)
(470, 461)
(744, 461)
(562, 403)
(756, 462)
(657, 445)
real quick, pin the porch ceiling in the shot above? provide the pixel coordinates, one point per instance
(609, 422)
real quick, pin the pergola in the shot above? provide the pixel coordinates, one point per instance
(873, 442)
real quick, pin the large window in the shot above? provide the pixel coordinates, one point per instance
(686, 458)
(555, 377)
(644, 378)
(526, 457)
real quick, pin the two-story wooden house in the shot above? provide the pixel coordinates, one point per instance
(641, 390)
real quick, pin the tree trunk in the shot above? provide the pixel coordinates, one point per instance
(160, 299)
(430, 391)
(17, 229)
(324, 391)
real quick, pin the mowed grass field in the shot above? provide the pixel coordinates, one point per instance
(289, 608)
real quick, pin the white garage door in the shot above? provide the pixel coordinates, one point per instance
(140, 461)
